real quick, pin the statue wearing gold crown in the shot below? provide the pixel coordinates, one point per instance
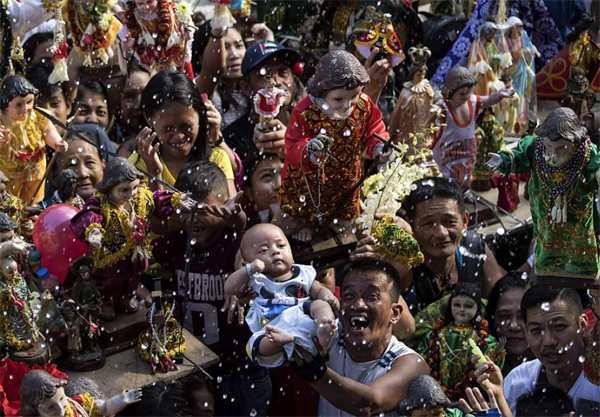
(379, 35)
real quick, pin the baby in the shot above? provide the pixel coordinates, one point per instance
(291, 307)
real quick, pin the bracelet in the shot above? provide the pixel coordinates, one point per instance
(249, 271)
(311, 372)
(220, 36)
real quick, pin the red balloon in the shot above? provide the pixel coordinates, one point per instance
(54, 239)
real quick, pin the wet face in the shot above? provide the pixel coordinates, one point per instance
(207, 228)
(7, 236)
(509, 321)
(265, 183)
(176, 128)
(57, 105)
(463, 310)
(93, 109)
(558, 151)
(54, 406)
(342, 101)
(438, 226)
(368, 312)
(122, 193)
(130, 100)
(555, 335)
(19, 107)
(235, 52)
(84, 159)
(146, 6)
(281, 72)
(460, 96)
(432, 412)
(269, 244)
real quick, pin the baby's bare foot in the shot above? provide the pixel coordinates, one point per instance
(278, 336)
(326, 328)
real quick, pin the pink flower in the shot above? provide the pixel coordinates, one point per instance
(87, 39)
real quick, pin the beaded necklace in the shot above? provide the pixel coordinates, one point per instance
(559, 192)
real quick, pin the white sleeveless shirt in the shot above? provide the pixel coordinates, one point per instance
(454, 145)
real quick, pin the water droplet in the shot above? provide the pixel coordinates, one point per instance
(582, 359)
(253, 413)
(302, 198)
(347, 132)
(546, 306)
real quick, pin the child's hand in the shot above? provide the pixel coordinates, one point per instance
(257, 266)
(62, 146)
(4, 136)
(229, 212)
(127, 42)
(495, 163)
(333, 302)
(95, 237)
(187, 202)
(213, 119)
(148, 151)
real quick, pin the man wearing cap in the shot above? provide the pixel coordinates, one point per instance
(261, 59)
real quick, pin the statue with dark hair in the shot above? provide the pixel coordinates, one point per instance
(6, 223)
(42, 395)
(447, 346)
(424, 393)
(115, 223)
(564, 168)
(328, 132)
(67, 182)
(579, 96)
(15, 86)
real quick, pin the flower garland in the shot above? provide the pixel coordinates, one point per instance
(165, 24)
(12, 300)
(60, 48)
(436, 354)
(94, 29)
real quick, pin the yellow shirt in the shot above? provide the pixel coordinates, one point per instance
(217, 155)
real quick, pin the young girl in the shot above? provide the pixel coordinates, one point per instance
(24, 135)
(115, 224)
(174, 110)
(328, 133)
(291, 307)
(446, 347)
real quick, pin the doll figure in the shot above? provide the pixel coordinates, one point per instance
(11, 205)
(564, 165)
(159, 34)
(507, 111)
(115, 223)
(67, 182)
(578, 94)
(490, 138)
(328, 133)
(454, 144)
(51, 322)
(415, 108)
(380, 35)
(291, 307)
(425, 397)
(484, 60)
(23, 138)
(268, 101)
(44, 396)
(446, 347)
(522, 71)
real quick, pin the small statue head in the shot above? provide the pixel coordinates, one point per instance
(10, 268)
(458, 85)
(339, 79)
(120, 182)
(67, 182)
(561, 131)
(424, 393)
(487, 31)
(3, 185)
(7, 228)
(464, 307)
(82, 267)
(17, 97)
(43, 395)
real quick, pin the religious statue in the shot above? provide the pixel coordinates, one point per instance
(415, 109)
(82, 312)
(380, 35)
(578, 94)
(24, 135)
(158, 34)
(51, 323)
(489, 135)
(484, 60)
(328, 133)
(522, 70)
(446, 347)
(426, 395)
(11, 205)
(19, 334)
(67, 182)
(268, 100)
(115, 223)
(43, 395)
(507, 111)
(564, 168)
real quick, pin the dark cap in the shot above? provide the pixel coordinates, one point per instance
(257, 53)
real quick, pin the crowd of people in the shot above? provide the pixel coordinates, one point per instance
(184, 161)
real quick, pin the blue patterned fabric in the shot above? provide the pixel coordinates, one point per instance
(537, 22)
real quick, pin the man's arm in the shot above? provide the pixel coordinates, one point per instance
(382, 395)
(493, 272)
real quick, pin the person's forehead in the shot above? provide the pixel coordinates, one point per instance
(437, 206)
(557, 310)
(376, 280)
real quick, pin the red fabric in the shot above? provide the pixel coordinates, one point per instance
(508, 191)
(11, 374)
(188, 69)
(265, 106)
(299, 133)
